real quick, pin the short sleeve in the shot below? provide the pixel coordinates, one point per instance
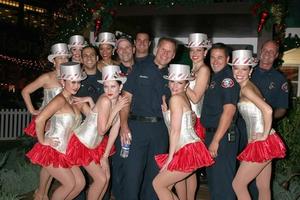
(230, 91)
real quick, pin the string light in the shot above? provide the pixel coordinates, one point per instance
(34, 64)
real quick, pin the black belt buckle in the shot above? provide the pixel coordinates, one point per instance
(145, 118)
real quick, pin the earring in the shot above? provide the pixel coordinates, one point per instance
(249, 75)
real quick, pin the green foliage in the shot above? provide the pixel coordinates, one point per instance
(8, 196)
(289, 130)
(17, 176)
(286, 189)
(286, 184)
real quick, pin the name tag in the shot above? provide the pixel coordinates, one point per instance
(141, 76)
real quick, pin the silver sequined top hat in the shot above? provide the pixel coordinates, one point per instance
(59, 49)
(71, 71)
(77, 41)
(198, 40)
(179, 72)
(106, 38)
(243, 57)
(112, 73)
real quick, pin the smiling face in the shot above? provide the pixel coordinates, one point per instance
(177, 87)
(59, 60)
(142, 43)
(165, 53)
(125, 51)
(89, 58)
(241, 73)
(112, 89)
(197, 54)
(71, 87)
(76, 53)
(218, 59)
(106, 51)
(269, 53)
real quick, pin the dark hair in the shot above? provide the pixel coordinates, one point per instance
(167, 39)
(90, 47)
(221, 46)
(144, 32)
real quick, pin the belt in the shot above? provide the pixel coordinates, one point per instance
(145, 119)
(211, 129)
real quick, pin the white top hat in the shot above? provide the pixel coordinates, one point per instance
(243, 57)
(76, 40)
(106, 38)
(198, 40)
(179, 72)
(112, 73)
(71, 71)
(59, 49)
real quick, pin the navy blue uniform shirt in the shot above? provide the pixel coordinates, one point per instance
(90, 86)
(273, 86)
(223, 89)
(147, 85)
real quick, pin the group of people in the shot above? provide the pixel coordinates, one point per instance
(173, 118)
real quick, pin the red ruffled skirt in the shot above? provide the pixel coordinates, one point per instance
(30, 128)
(199, 129)
(80, 155)
(45, 155)
(261, 151)
(187, 159)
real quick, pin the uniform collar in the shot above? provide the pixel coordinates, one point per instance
(219, 73)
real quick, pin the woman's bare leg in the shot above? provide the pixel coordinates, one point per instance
(42, 190)
(181, 189)
(79, 183)
(67, 180)
(164, 181)
(263, 181)
(99, 181)
(245, 174)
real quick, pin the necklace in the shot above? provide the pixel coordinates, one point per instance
(106, 63)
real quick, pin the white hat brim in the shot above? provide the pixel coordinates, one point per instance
(190, 78)
(111, 43)
(251, 64)
(76, 45)
(122, 79)
(52, 56)
(82, 77)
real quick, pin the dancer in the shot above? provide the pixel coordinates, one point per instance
(50, 151)
(263, 142)
(106, 43)
(76, 43)
(52, 87)
(198, 44)
(176, 166)
(48, 81)
(89, 147)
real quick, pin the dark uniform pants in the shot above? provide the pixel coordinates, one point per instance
(133, 176)
(220, 175)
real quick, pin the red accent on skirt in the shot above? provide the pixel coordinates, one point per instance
(80, 155)
(30, 128)
(261, 151)
(45, 156)
(199, 129)
(187, 159)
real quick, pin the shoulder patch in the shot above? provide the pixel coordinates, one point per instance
(284, 87)
(227, 83)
